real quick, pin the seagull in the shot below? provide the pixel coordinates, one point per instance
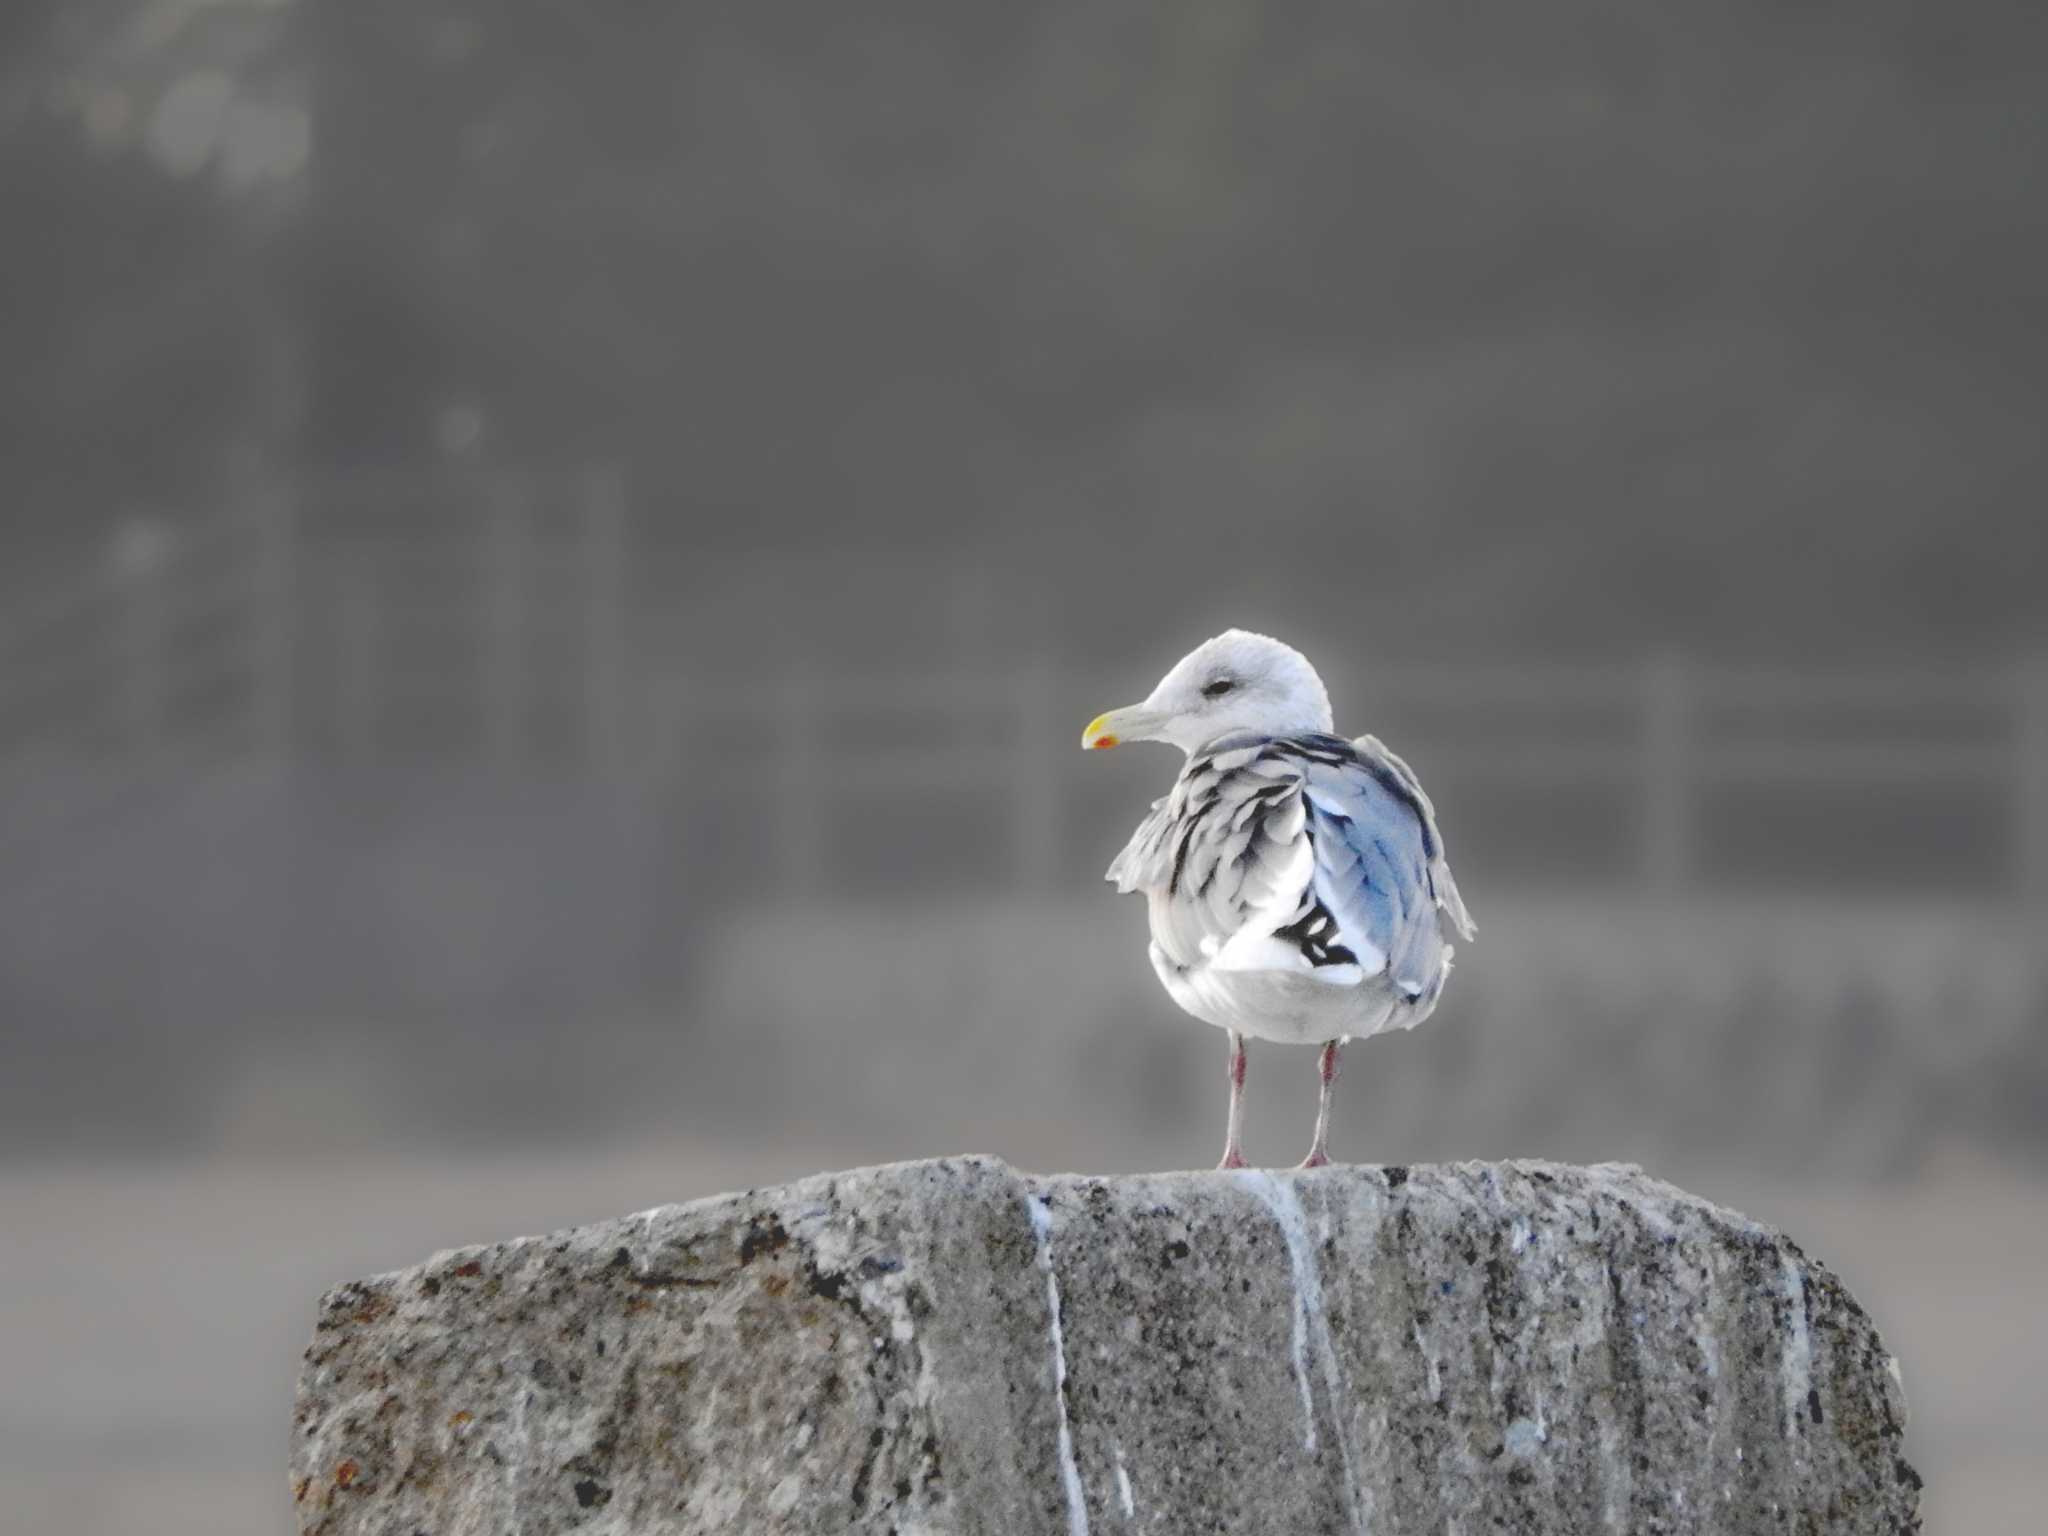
(1296, 881)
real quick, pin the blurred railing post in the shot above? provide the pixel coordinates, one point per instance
(1034, 794)
(505, 640)
(358, 623)
(800, 818)
(1667, 780)
(2030, 766)
(669, 730)
(604, 618)
(270, 512)
(139, 555)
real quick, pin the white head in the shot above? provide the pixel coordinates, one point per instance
(1237, 682)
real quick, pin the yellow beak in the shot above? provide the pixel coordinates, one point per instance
(1097, 734)
(1132, 723)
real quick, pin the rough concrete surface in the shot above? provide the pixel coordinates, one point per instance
(954, 1346)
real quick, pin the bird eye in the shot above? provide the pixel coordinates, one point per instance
(1217, 689)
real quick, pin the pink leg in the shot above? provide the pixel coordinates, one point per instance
(1233, 1153)
(1326, 1067)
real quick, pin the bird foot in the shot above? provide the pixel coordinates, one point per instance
(1317, 1158)
(1233, 1159)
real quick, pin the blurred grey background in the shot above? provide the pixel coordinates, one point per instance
(555, 556)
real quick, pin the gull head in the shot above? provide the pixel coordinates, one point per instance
(1237, 682)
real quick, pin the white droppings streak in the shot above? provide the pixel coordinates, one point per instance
(1798, 1346)
(1311, 1324)
(516, 1463)
(1436, 1377)
(1710, 1351)
(1070, 1474)
(1307, 1283)
(1617, 1486)
(1123, 1486)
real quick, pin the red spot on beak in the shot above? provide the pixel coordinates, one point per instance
(1101, 743)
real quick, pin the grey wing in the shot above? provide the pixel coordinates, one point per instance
(1380, 872)
(1442, 886)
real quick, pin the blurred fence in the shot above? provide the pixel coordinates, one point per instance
(509, 623)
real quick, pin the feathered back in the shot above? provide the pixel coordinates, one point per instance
(1304, 853)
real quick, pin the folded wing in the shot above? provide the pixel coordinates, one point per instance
(1304, 854)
